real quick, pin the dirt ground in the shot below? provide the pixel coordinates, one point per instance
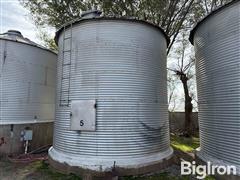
(40, 170)
(11, 171)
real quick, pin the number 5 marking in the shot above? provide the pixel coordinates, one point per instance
(81, 123)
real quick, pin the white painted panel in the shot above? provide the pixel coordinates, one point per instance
(83, 115)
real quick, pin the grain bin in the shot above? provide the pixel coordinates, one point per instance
(216, 40)
(27, 93)
(111, 109)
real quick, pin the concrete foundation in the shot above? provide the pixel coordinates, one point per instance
(143, 167)
(10, 137)
(203, 159)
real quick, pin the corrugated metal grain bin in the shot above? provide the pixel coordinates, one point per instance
(111, 106)
(27, 92)
(216, 41)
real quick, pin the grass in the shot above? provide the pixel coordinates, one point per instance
(184, 144)
(161, 176)
(210, 178)
(53, 175)
(41, 170)
(180, 143)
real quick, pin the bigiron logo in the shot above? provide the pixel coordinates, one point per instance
(201, 171)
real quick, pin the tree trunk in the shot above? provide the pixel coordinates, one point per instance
(188, 107)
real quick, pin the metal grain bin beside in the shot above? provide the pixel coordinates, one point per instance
(216, 40)
(111, 109)
(27, 93)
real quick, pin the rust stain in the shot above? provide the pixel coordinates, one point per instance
(2, 141)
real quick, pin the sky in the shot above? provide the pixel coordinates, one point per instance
(14, 16)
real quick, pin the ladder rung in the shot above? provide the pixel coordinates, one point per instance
(64, 100)
(67, 51)
(66, 77)
(65, 38)
(67, 64)
(67, 104)
(64, 91)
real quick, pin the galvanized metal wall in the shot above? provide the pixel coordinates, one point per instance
(122, 65)
(217, 47)
(27, 83)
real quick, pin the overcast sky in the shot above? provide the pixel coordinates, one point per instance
(14, 16)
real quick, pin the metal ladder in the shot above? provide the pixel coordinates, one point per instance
(66, 68)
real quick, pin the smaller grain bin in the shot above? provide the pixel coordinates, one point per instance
(216, 40)
(27, 93)
(111, 111)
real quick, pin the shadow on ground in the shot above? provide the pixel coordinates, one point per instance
(40, 170)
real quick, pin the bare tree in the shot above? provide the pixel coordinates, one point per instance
(172, 93)
(182, 69)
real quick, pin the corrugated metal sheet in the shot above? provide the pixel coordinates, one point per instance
(121, 64)
(217, 47)
(96, 16)
(27, 83)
